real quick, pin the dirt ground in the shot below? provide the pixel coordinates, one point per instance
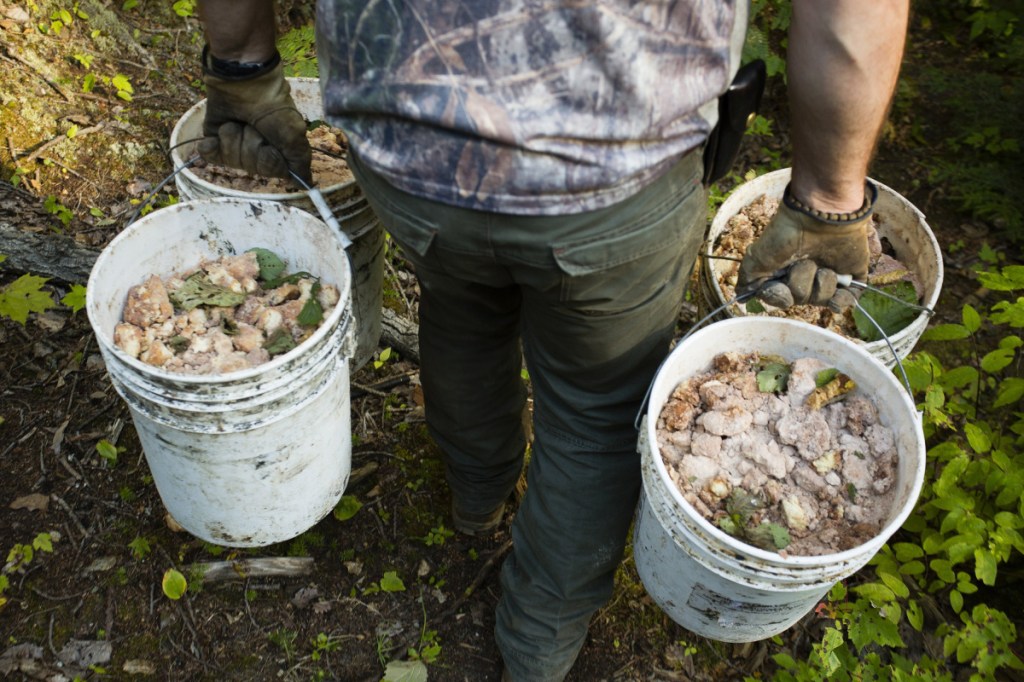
(93, 607)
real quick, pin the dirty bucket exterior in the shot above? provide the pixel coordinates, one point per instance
(345, 199)
(901, 223)
(708, 581)
(247, 458)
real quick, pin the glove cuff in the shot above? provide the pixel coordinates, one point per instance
(237, 71)
(870, 197)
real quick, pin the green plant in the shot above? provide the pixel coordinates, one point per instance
(437, 535)
(108, 452)
(323, 644)
(26, 295)
(347, 507)
(184, 8)
(23, 296)
(20, 556)
(428, 650)
(173, 584)
(140, 547)
(389, 582)
(298, 52)
(382, 358)
(285, 640)
(968, 521)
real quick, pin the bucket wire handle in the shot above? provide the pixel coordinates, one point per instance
(849, 281)
(327, 215)
(162, 183)
(325, 211)
(694, 327)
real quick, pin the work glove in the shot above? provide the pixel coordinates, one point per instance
(798, 257)
(251, 120)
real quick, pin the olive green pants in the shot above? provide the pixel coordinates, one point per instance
(594, 298)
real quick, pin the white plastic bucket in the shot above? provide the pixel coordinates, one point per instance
(900, 222)
(345, 199)
(247, 458)
(708, 581)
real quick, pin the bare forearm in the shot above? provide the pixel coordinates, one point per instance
(239, 30)
(844, 58)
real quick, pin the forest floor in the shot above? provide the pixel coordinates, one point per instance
(84, 157)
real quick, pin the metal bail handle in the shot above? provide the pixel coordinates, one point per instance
(325, 211)
(744, 297)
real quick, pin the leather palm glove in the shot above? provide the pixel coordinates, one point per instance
(251, 120)
(796, 259)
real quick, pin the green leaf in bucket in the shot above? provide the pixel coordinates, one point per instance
(174, 584)
(198, 290)
(178, 343)
(773, 377)
(891, 315)
(271, 265)
(280, 341)
(755, 306)
(824, 376)
(312, 312)
(768, 536)
(287, 279)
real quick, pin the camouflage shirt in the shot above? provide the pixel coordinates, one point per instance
(525, 106)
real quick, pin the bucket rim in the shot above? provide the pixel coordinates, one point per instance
(178, 161)
(914, 327)
(326, 327)
(802, 561)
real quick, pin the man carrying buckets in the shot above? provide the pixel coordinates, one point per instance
(541, 166)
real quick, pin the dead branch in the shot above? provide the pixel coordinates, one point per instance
(244, 569)
(59, 138)
(401, 334)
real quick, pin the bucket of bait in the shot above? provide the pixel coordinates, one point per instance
(898, 221)
(345, 199)
(712, 583)
(246, 458)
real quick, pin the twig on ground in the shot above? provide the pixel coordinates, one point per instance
(248, 611)
(394, 274)
(18, 441)
(58, 138)
(49, 635)
(481, 575)
(58, 597)
(15, 58)
(71, 470)
(379, 389)
(66, 507)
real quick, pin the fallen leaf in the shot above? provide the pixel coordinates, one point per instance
(84, 653)
(172, 524)
(50, 321)
(138, 667)
(58, 437)
(33, 502)
(23, 657)
(405, 671)
(17, 14)
(304, 597)
(104, 563)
